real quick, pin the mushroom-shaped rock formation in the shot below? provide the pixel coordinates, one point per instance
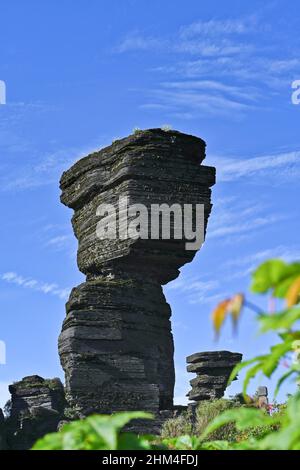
(116, 344)
(213, 369)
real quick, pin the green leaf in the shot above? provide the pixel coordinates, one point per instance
(277, 352)
(241, 366)
(97, 432)
(130, 441)
(243, 418)
(279, 321)
(217, 445)
(251, 373)
(288, 436)
(51, 441)
(282, 288)
(268, 275)
(183, 443)
(282, 379)
(119, 420)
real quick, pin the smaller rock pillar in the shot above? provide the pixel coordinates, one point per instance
(213, 370)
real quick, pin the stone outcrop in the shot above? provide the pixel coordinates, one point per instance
(213, 370)
(116, 344)
(36, 409)
(262, 397)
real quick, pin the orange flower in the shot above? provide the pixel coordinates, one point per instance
(219, 315)
(235, 307)
(293, 293)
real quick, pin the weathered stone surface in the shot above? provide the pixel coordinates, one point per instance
(212, 358)
(36, 409)
(262, 391)
(116, 345)
(262, 397)
(213, 369)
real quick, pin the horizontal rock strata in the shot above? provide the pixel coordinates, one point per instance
(36, 409)
(116, 345)
(213, 370)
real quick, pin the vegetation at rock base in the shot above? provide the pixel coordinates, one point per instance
(99, 432)
(221, 424)
(175, 427)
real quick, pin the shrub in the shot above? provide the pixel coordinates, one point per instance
(207, 411)
(175, 427)
(220, 424)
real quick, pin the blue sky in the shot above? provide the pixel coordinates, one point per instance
(80, 74)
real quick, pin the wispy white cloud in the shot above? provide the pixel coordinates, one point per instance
(195, 289)
(135, 41)
(246, 226)
(253, 68)
(211, 49)
(236, 53)
(230, 169)
(244, 265)
(60, 241)
(216, 27)
(216, 86)
(232, 216)
(42, 171)
(192, 284)
(281, 251)
(194, 103)
(38, 286)
(204, 38)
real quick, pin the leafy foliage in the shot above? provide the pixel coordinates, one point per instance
(220, 424)
(175, 427)
(99, 432)
(207, 411)
(282, 280)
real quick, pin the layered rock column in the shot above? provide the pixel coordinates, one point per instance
(36, 408)
(213, 369)
(116, 345)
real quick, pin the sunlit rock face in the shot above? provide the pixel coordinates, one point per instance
(116, 344)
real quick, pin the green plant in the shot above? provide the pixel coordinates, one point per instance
(282, 430)
(175, 427)
(207, 411)
(220, 424)
(166, 127)
(99, 432)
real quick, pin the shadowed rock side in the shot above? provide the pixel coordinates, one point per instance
(36, 409)
(3, 443)
(213, 370)
(116, 345)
